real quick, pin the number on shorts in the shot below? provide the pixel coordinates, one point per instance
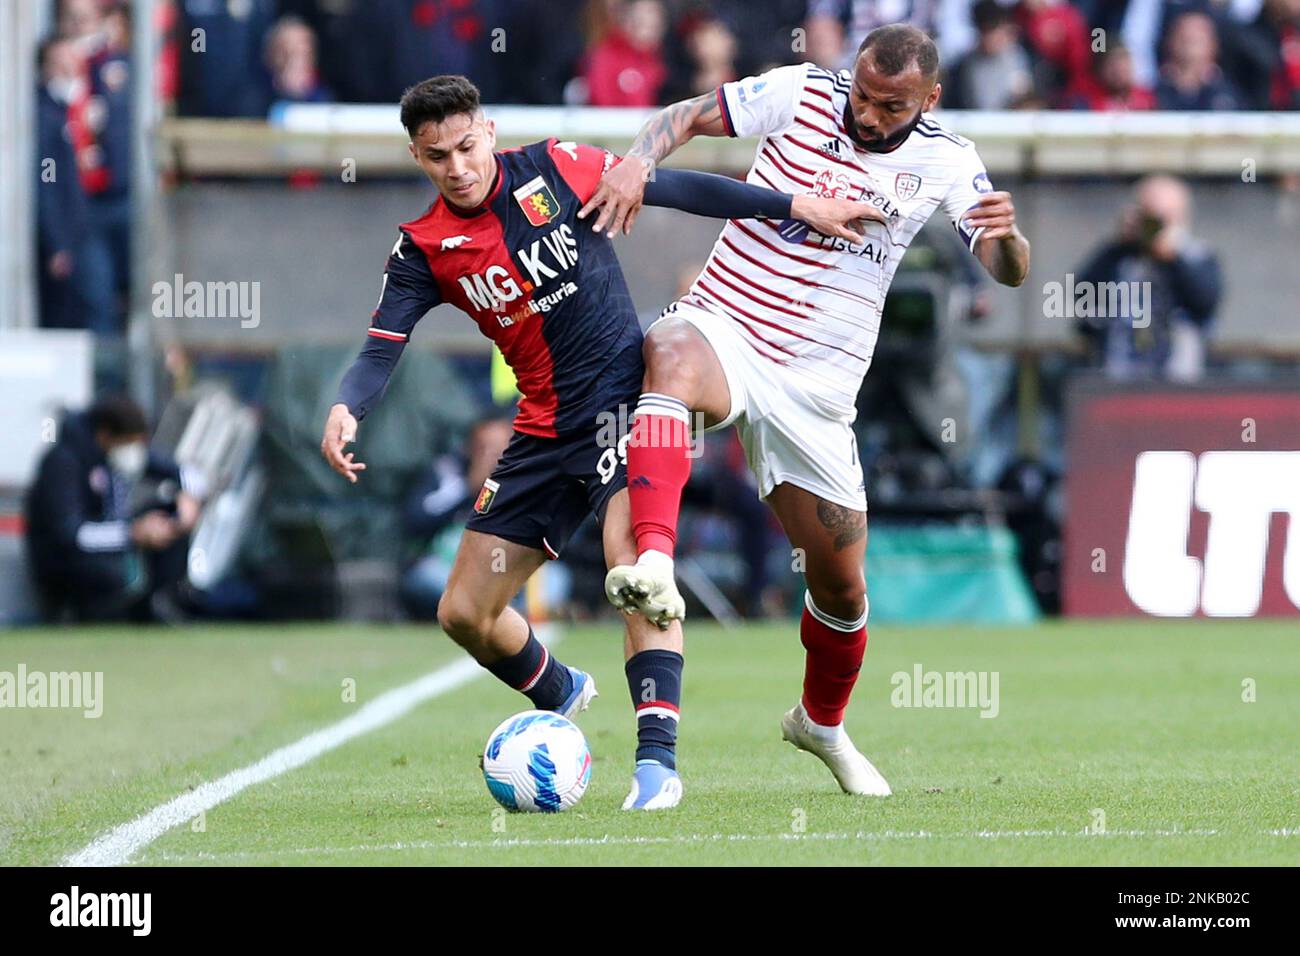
(607, 464)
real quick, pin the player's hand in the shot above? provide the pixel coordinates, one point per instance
(618, 195)
(995, 214)
(340, 430)
(153, 531)
(835, 217)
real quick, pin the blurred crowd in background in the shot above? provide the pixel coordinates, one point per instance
(242, 58)
(1017, 54)
(245, 58)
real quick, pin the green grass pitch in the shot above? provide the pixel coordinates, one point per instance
(1114, 744)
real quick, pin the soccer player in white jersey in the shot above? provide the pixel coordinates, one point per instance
(778, 330)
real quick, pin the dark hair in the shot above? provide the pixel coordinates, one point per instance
(896, 46)
(434, 99)
(119, 416)
(989, 15)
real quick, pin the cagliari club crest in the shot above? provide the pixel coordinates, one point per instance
(906, 185)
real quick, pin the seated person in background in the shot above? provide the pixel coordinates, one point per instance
(997, 74)
(1056, 35)
(108, 522)
(708, 60)
(1115, 87)
(626, 66)
(290, 60)
(1179, 283)
(826, 44)
(1262, 58)
(1190, 77)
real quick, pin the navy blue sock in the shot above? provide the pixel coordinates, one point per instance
(655, 680)
(536, 674)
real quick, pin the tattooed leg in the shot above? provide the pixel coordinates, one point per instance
(846, 524)
(829, 542)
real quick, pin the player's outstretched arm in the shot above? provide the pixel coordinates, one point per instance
(706, 194)
(361, 388)
(621, 190)
(408, 292)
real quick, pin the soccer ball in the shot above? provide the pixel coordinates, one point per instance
(537, 761)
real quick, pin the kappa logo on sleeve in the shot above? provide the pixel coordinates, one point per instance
(486, 496)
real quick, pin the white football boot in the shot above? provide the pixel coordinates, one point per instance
(647, 588)
(853, 771)
(583, 693)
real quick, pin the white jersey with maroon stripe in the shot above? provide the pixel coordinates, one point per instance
(808, 302)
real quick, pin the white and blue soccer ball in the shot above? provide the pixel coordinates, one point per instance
(537, 762)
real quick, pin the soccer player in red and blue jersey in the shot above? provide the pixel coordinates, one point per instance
(503, 242)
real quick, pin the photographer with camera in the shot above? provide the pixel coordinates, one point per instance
(1177, 284)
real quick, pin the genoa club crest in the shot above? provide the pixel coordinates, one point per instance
(537, 201)
(906, 185)
(484, 501)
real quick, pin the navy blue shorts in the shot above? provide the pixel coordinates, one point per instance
(542, 489)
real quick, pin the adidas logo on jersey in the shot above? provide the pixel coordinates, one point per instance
(832, 147)
(451, 242)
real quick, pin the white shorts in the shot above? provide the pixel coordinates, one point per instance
(790, 434)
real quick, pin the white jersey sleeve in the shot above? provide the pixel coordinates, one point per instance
(971, 182)
(764, 104)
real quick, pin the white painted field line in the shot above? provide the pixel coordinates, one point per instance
(118, 845)
(685, 839)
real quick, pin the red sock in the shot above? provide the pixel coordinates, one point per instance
(834, 656)
(658, 465)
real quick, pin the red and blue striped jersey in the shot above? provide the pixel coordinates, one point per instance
(535, 278)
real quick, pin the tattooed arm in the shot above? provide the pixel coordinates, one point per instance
(674, 125)
(621, 190)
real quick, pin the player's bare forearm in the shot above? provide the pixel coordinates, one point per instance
(1006, 258)
(620, 192)
(1001, 248)
(675, 125)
